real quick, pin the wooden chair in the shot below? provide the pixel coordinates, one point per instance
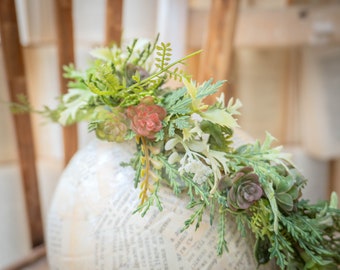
(16, 78)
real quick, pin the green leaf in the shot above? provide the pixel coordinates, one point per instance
(270, 193)
(220, 158)
(285, 184)
(171, 129)
(181, 107)
(262, 253)
(170, 144)
(233, 107)
(294, 192)
(217, 140)
(129, 135)
(207, 88)
(268, 141)
(160, 135)
(191, 88)
(220, 117)
(74, 101)
(103, 54)
(275, 252)
(285, 201)
(334, 200)
(222, 243)
(22, 106)
(182, 122)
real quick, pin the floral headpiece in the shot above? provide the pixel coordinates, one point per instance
(189, 145)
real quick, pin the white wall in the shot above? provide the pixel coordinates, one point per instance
(320, 99)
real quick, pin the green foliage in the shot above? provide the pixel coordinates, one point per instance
(219, 136)
(163, 55)
(179, 101)
(171, 98)
(152, 200)
(193, 153)
(116, 78)
(196, 216)
(138, 166)
(222, 243)
(76, 77)
(171, 176)
(76, 106)
(21, 106)
(182, 122)
(105, 80)
(207, 88)
(302, 240)
(262, 253)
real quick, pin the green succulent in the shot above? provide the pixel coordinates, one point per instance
(109, 125)
(288, 188)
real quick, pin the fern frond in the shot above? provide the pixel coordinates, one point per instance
(163, 55)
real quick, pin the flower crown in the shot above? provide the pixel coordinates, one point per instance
(189, 146)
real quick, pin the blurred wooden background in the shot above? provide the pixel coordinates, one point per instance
(280, 57)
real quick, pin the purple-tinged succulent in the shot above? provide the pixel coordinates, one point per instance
(245, 189)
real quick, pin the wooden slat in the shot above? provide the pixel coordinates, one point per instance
(291, 26)
(113, 21)
(295, 25)
(64, 21)
(216, 58)
(16, 78)
(290, 97)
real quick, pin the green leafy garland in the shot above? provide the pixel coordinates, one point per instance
(188, 145)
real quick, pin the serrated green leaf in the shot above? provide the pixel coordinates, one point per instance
(207, 88)
(233, 107)
(74, 101)
(181, 106)
(182, 122)
(268, 141)
(171, 129)
(160, 135)
(220, 117)
(173, 97)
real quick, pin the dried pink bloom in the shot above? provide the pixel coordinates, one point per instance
(146, 119)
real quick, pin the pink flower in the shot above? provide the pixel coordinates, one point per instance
(146, 118)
